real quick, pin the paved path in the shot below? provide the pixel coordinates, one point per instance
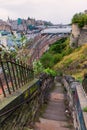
(54, 117)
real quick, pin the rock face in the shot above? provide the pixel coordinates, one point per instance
(78, 36)
(84, 82)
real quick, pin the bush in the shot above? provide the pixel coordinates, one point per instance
(37, 67)
(56, 53)
(85, 109)
(47, 60)
(57, 58)
(80, 19)
(50, 72)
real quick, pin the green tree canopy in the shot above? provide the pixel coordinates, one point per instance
(80, 19)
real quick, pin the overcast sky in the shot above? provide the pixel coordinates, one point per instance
(56, 11)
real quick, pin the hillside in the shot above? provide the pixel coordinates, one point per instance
(56, 52)
(66, 60)
(75, 63)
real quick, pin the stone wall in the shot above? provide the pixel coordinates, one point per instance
(22, 112)
(78, 36)
(77, 101)
(83, 37)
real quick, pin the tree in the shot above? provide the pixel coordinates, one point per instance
(80, 19)
(37, 67)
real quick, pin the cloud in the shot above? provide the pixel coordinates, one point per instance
(12, 2)
(57, 11)
(4, 13)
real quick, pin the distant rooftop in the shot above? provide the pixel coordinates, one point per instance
(3, 22)
(57, 30)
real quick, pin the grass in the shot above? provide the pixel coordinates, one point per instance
(56, 53)
(85, 109)
(74, 64)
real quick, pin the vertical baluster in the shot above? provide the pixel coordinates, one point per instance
(9, 69)
(12, 65)
(32, 73)
(22, 68)
(27, 72)
(2, 88)
(16, 66)
(20, 73)
(2, 65)
(24, 73)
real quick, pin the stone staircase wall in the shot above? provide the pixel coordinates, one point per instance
(31, 100)
(77, 101)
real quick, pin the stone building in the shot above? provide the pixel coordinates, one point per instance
(4, 26)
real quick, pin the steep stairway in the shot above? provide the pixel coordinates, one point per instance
(54, 116)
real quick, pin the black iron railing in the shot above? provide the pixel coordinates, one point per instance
(24, 112)
(13, 75)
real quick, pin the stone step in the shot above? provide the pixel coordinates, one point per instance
(54, 116)
(46, 124)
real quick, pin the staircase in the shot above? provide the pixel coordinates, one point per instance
(54, 117)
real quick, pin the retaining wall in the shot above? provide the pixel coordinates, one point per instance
(77, 101)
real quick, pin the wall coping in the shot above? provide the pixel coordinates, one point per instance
(69, 82)
(4, 101)
(83, 102)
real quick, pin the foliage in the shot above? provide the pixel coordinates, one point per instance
(50, 72)
(57, 58)
(85, 109)
(58, 46)
(37, 67)
(47, 60)
(80, 19)
(56, 52)
(75, 63)
(79, 79)
(4, 51)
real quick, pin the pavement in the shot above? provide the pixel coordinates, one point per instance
(54, 116)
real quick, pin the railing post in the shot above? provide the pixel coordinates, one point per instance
(10, 75)
(16, 66)
(5, 77)
(12, 65)
(2, 88)
(24, 71)
(27, 73)
(22, 68)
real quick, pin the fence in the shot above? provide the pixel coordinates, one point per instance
(79, 112)
(13, 75)
(77, 100)
(25, 109)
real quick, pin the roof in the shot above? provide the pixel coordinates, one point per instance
(56, 30)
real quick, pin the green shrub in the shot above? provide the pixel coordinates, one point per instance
(37, 67)
(47, 60)
(85, 109)
(57, 58)
(56, 53)
(50, 72)
(80, 19)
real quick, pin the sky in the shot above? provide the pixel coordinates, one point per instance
(55, 11)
